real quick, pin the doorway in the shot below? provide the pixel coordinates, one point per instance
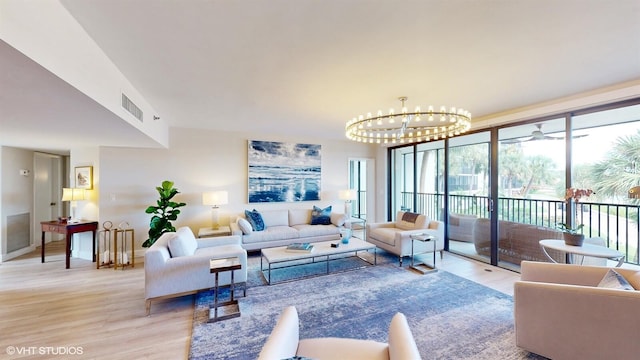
(47, 187)
(360, 179)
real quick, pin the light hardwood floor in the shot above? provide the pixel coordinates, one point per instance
(102, 312)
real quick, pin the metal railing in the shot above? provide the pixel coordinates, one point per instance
(617, 224)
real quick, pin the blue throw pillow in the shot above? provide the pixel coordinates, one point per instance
(255, 219)
(321, 216)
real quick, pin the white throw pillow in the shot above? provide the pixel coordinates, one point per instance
(613, 280)
(183, 244)
(244, 225)
(338, 219)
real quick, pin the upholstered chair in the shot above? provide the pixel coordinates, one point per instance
(284, 343)
(395, 236)
(565, 311)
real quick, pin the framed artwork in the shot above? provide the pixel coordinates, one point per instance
(84, 177)
(283, 172)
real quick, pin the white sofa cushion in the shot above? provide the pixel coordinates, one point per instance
(341, 348)
(385, 234)
(184, 243)
(307, 230)
(270, 234)
(338, 219)
(409, 221)
(275, 218)
(299, 217)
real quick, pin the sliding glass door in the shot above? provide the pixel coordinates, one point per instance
(502, 191)
(469, 225)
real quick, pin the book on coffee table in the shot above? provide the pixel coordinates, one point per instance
(300, 247)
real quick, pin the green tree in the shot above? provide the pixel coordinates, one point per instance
(619, 170)
(538, 171)
(470, 159)
(511, 167)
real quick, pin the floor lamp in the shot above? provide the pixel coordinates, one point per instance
(215, 199)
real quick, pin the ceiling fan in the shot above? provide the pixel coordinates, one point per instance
(537, 135)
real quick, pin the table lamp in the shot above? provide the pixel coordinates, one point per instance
(215, 198)
(348, 196)
(73, 195)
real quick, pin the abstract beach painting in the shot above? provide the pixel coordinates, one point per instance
(283, 172)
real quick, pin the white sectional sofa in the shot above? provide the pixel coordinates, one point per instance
(286, 226)
(178, 264)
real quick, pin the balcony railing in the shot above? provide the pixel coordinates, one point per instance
(616, 224)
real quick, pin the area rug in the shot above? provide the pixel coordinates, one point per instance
(450, 317)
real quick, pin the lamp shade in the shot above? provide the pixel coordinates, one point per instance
(215, 198)
(72, 194)
(348, 194)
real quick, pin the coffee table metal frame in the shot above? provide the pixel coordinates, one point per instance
(322, 252)
(423, 267)
(584, 250)
(216, 266)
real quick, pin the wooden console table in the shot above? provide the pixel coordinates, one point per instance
(69, 229)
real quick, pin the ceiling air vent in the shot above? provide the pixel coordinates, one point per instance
(128, 105)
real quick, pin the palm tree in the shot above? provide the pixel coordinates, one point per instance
(620, 169)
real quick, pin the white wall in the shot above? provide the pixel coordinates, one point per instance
(88, 209)
(16, 190)
(46, 32)
(198, 161)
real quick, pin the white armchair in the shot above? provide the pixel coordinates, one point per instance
(394, 237)
(284, 342)
(178, 264)
(561, 313)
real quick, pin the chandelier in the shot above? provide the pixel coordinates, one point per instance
(408, 127)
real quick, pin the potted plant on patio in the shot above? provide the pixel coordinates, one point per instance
(573, 234)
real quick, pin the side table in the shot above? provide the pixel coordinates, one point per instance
(209, 232)
(68, 229)
(216, 266)
(584, 250)
(423, 267)
(363, 222)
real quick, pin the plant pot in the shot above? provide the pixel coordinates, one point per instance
(573, 239)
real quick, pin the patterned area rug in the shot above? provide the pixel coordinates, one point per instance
(450, 317)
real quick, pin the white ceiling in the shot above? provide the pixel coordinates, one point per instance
(305, 67)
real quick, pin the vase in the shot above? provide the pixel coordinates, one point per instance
(345, 234)
(573, 239)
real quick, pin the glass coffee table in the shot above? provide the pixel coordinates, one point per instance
(323, 251)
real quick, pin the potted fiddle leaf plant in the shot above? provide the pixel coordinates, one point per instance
(164, 212)
(573, 234)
